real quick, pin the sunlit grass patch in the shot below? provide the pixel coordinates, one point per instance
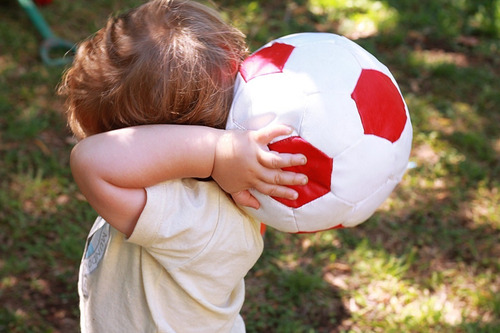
(370, 262)
(484, 208)
(387, 297)
(440, 57)
(355, 19)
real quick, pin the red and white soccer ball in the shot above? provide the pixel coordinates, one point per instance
(350, 121)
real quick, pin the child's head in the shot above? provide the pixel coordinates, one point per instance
(167, 61)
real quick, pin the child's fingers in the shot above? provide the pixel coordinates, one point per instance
(275, 160)
(279, 177)
(277, 191)
(267, 134)
(275, 183)
(245, 198)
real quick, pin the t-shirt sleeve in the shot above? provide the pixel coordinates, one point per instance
(179, 218)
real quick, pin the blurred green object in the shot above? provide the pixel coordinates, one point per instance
(51, 42)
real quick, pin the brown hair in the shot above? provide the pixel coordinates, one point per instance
(166, 61)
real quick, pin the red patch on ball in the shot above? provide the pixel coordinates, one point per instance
(318, 170)
(380, 105)
(268, 60)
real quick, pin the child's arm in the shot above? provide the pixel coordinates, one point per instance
(112, 169)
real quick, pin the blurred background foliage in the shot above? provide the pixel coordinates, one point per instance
(427, 261)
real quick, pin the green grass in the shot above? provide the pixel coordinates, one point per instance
(427, 261)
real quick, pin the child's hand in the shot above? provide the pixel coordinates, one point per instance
(243, 161)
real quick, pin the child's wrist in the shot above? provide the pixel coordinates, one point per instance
(218, 139)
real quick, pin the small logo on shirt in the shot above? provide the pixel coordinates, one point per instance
(96, 247)
(97, 243)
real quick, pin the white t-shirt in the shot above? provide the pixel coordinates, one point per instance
(181, 270)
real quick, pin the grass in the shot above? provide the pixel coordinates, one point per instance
(427, 261)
